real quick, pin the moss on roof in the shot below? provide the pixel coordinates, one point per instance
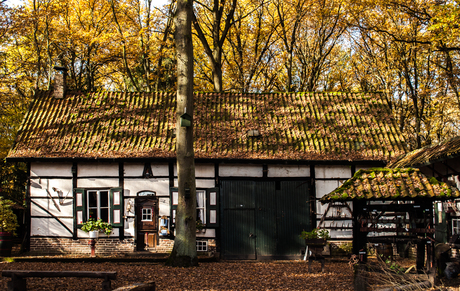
(293, 126)
(391, 184)
(428, 155)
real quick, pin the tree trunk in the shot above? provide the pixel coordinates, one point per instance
(184, 252)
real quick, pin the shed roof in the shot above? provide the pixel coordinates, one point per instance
(391, 184)
(292, 126)
(428, 155)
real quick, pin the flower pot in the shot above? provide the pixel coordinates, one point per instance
(94, 234)
(315, 242)
(6, 243)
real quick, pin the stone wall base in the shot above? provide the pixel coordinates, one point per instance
(104, 246)
(58, 246)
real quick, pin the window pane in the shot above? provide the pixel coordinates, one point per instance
(147, 214)
(92, 213)
(92, 198)
(105, 214)
(200, 215)
(200, 199)
(104, 199)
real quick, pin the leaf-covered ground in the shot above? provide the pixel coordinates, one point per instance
(223, 275)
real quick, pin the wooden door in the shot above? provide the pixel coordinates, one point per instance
(146, 222)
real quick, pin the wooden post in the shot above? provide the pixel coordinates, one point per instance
(359, 238)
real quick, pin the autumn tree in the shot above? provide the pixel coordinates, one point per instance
(212, 22)
(249, 42)
(184, 251)
(396, 43)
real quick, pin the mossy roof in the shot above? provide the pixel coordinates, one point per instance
(428, 155)
(391, 184)
(292, 126)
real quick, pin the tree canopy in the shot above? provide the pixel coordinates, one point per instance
(410, 51)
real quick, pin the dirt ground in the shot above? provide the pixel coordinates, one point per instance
(223, 275)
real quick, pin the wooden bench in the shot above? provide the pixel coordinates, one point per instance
(18, 281)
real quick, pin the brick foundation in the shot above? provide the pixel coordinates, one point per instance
(104, 246)
(57, 246)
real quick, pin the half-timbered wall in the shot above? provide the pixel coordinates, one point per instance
(53, 225)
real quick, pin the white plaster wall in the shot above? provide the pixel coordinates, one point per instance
(326, 187)
(288, 171)
(204, 170)
(205, 183)
(210, 232)
(201, 170)
(346, 234)
(159, 186)
(65, 209)
(332, 172)
(323, 188)
(97, 169)
(97, 183)
(39, 186)
(164, 207)
(202, 183)
(136, 170)
(130, 231)
(240, 171)
(51, 169)
(50, 227)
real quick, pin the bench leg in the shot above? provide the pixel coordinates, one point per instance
(17, 284)
(106, 285)
(322, 265)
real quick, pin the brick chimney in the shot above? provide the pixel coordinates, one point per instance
(59, 82)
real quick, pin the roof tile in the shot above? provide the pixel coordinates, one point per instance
(391, 184)
(428, 155)
(294, 126)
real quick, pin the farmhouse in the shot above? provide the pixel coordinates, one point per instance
(262, 163)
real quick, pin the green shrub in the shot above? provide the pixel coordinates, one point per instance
(8, 220)
(98, 225)
(315, 233)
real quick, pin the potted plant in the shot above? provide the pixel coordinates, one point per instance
(94, 227)
(316, 237)
(200, 225)
(8, 226)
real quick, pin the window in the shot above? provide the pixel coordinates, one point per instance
(98, 205)
(455, 226)
(201, 206)
(147, 214)
(105, 204)
(207, 203)
(201, 246)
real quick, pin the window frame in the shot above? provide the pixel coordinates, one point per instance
(116, 202)
(98, 207)
(211, 206)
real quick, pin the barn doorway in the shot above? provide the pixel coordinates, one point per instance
(263, 219)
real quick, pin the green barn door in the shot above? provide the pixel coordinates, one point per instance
(292, 217)
(263, 219)
(266, 232)
(238, 235)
